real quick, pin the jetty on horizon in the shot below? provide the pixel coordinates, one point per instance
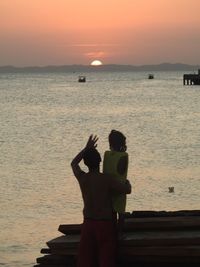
(191, 79)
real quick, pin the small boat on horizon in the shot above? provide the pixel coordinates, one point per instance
(81, 79)
(151, 76)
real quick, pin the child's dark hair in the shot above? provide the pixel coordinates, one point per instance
(92, 158)
(117, 141)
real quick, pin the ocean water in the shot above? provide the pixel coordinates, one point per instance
(45, 119)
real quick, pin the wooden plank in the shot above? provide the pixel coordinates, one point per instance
(161, 238)
(160, 235)
(56, 265)
(146, 263)
(159, 242)
(161, 223)
(173, 260)
(187, 219)
(64, 242)
(148, 223)
(45, 251)
(150, 213)
(70, 228)
(185, 251)
(64, 251)
(154, 249)
(189, 251)
(150, 237)
(56, 260)
(133, 239)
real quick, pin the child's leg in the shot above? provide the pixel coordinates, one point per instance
(120, 223)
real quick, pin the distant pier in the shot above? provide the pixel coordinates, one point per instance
(191, 79)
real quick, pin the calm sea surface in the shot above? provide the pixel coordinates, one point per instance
(45, 119)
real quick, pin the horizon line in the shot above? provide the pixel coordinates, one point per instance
(96, 67)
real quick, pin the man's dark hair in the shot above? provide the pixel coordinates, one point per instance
(117, 140)
(92, 158)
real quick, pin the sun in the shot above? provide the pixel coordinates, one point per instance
(96, 63)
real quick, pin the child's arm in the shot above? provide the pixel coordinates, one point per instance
(123, 165)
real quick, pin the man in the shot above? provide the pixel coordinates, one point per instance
(98, 234)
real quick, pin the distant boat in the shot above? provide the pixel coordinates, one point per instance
(151, 76)
(81, 79)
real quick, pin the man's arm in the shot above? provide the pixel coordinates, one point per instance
(75, 162)
(120, 187)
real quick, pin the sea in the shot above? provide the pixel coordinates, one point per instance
(46, 119)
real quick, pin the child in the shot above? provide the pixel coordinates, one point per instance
(116, 163)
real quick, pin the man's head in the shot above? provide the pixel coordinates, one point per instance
(92, 158)
(117, 141)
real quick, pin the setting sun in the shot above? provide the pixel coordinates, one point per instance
(96, 63)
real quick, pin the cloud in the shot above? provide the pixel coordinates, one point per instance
(92, 45)
(96, 54)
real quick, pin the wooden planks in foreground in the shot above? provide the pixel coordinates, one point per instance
(149, 239)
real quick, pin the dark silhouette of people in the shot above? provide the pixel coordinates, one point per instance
(98, 233)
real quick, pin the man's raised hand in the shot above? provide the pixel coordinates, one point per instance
(92, 142)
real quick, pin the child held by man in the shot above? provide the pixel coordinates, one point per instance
(115, 163)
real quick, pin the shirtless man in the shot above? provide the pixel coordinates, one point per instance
(98, 233)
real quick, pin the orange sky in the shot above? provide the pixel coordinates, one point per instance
(55, 32)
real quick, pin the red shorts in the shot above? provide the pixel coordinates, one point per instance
(98, 244)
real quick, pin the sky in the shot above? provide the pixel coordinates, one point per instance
(65, 32)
